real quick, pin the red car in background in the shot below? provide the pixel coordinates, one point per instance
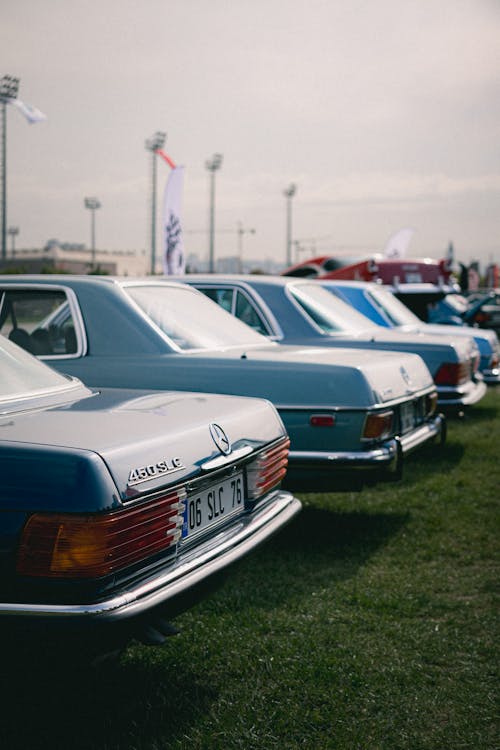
(392, 271)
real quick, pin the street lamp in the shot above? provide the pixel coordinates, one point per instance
(9, 87)
(289, 192)
(241, 232)
(212, 165)
(153, 144)
(92, 204)
(13, 232)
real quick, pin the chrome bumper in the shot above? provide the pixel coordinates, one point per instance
(193, 569)
(491, 376)
(385, 455)
(459, 396)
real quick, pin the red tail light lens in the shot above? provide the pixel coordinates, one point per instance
(378, 426)
(65, 545)
(267, 470)
(452, 373)
(322, 420)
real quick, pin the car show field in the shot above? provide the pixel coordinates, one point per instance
(371, 621)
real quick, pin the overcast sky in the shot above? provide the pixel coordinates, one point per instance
(385, 114)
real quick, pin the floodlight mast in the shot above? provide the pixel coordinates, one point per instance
(13, 232)
(9, 86)
(154, 144)
(212, 165)
(289, 192)
(92, 204)
(241, 232)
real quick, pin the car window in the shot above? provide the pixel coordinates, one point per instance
(246, 312)
(22, 374)
(189, 319)
(328, 312)
(223, 297)
(38, 320)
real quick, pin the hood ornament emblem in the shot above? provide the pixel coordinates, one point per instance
(220, 438)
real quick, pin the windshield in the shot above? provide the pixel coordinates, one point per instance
(191, 320)
(22, 375)
(331, 314)
(394, 309)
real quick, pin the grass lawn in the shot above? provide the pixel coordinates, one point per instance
(369, 623)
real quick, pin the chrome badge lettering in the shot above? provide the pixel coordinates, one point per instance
(152, 471)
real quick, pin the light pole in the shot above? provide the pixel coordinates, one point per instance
(212, 165)
(9, 87)
(153, 144)
(241, 232)
(289, 192)
(13, 232)
(92, 204)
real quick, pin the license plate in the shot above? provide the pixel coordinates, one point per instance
(407, 417)
(413, 278)
(213, 505)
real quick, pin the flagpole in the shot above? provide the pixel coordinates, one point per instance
(8, 90)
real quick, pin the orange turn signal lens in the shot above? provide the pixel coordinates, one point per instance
(65, 545)
(378, 425)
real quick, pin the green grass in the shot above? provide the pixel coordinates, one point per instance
(369, 623)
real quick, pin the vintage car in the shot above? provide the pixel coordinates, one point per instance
(350, 418)
(376, 267)
(300, 311)
(381, 305)
(488, 314)
(120, 509)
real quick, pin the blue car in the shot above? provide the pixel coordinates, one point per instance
(382, 306)
(350, 418)
(300, 312)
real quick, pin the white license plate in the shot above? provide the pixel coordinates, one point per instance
(213, 505)
(407, 415)
(413, 278)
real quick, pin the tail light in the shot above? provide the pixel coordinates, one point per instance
(322, 420)
(378, 426)
(482, 317)
(65, 545)
(452, 373)
(431, 404)
(494, 361)
(267, 470)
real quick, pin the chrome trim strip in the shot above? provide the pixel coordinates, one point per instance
(228, 547)
(216, 463)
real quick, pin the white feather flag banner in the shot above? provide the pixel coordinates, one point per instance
(398, 243)
(173, 241)
(32, 114)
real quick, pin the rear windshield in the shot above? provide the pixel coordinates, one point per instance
(22, 375)
(331, 314)
(190, 319)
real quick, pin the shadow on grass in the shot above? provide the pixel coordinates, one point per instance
(135, 703)
(434, 458)
(154, 698)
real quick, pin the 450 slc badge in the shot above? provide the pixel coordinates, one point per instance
(144, 473)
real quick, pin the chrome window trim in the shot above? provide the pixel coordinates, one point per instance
(81, 338)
